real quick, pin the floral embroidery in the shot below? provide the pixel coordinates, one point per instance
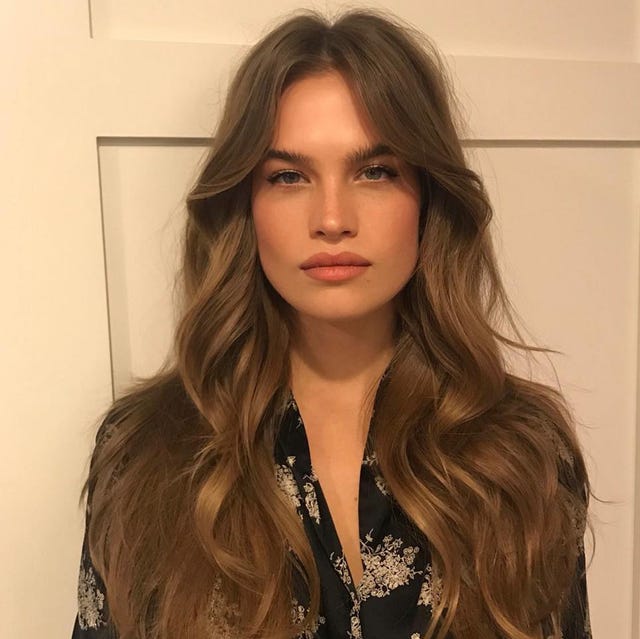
(287, 484)
(90, 600)
(387, 566)
(298, 612)
(431, 590)
(391, 558)
(292, 404)
(372, 461)
(560, 446)
(381, 484)
(356, 628)
(311, 501)
(340, 564)
(578, 514)
(219, 624)
(354, 620)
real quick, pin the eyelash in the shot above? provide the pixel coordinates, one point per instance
(391, 173)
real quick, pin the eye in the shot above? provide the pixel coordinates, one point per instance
(289, 177)
(273, 179)
(391, 173)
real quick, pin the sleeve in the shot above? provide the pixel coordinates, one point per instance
(92, 619)
(575, 622)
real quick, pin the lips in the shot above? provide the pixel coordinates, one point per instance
(341, 259)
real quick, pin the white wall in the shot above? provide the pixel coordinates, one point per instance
(106, 108)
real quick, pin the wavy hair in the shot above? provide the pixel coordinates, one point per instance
(186, 523)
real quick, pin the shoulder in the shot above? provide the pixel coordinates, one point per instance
(547, 413)
(151, 410)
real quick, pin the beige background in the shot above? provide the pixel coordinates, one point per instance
(106, 107)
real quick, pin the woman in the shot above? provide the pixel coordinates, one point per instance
(337, 448)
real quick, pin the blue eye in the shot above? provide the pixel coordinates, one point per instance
(379, 167)
(391, 174)
(276, 176)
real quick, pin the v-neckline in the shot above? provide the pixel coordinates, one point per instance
(330, 539)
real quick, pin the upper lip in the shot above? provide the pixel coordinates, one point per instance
(341, 259)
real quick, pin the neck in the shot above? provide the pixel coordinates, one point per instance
(338, 364)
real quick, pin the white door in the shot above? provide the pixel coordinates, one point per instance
(106, 110)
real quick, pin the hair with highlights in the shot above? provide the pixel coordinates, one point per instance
(187, 524)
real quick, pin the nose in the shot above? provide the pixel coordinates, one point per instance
(334, 213)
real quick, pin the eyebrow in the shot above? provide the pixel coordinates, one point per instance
(361, 154)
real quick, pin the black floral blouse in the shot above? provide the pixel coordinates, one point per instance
(398, 588)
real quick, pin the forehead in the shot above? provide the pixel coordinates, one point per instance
(321, 105)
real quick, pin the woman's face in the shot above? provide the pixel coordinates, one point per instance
(328, 204)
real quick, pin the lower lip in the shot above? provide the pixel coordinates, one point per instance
(335, 273)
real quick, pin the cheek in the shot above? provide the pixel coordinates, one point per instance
(401, 236)
(262, 231)
(275, 241)
(401, 248)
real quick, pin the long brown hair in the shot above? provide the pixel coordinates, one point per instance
(187, 524)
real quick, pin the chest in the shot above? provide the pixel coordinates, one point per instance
(337, 461)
